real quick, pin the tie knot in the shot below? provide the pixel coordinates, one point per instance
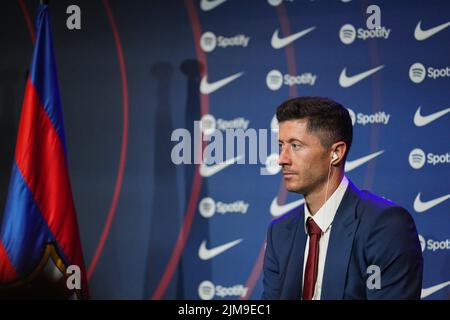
(313, 228)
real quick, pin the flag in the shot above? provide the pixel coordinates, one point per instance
(40, 248)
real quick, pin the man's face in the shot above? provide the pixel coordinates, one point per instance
(304, 160)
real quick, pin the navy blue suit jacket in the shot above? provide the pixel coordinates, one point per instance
(366, 230)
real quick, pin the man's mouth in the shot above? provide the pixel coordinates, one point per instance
(287, 174)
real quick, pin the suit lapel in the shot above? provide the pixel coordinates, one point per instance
(340, 246)
(292, 282)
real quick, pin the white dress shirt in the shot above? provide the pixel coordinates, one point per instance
(324, 219)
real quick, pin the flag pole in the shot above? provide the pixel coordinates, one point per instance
(43, 1)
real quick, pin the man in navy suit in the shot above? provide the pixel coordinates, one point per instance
(343, 243)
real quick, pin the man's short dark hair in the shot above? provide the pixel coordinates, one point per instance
(326, 118)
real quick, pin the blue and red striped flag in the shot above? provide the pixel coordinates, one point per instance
(39, 239)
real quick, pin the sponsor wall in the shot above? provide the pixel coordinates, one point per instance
(156, 222)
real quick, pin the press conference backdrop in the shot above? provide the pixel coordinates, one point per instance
(138, 70)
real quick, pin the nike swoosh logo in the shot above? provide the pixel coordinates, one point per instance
(420, 206)
(208, 171)
(421, 34)
(206, 254)
(429, 291)
(207, 5)
(277, 210)
(207, 88)
(421, 121)
(350, 165)
(346, 81)
(278, 43)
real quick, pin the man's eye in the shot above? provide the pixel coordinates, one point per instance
(295, 146)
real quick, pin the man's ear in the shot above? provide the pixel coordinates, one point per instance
(339, 149)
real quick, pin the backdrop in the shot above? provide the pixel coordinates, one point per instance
(132, 75)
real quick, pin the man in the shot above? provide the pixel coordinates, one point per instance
(343, 243)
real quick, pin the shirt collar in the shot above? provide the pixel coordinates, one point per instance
(324, 217)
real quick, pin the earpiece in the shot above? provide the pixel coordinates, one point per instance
(334, 156)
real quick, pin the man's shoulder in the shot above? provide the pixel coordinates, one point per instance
(374, 207)
(281, 228)
(288, 219)
(375, 202)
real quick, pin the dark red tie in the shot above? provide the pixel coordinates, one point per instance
(310, 277)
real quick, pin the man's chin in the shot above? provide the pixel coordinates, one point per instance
(293, 188)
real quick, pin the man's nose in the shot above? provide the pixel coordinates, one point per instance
(284, 158)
